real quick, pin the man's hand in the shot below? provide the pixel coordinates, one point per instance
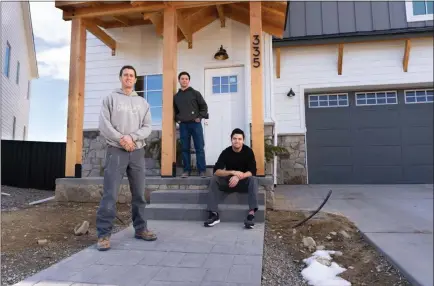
(197, 120)
(233, 181)
(238, 174)
(127, 143)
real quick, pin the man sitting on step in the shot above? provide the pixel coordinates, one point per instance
(234, 171)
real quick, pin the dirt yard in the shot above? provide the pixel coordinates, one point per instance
(364, 265)
(23, 226)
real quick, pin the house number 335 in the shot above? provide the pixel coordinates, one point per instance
(256, 51)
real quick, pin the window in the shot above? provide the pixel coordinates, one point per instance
(7, 62)
(224, 84)
(18, 73)
(14, 125)
(376, 98)
(24, 133)
(151, 88)
(419, 10)
(328, 100)
(418, 96)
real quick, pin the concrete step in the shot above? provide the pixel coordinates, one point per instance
(197, 212)
(199, 197)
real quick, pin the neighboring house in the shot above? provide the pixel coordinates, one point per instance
(348, 89)
(18, 68)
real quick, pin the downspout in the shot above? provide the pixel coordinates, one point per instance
(271, 78)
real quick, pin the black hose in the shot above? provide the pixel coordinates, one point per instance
(315, 212)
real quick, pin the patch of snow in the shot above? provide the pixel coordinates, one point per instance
(321, 271)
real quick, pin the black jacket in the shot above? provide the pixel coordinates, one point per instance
(188, 105)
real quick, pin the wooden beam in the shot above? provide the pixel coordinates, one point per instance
(63, 4)
(122, 19)
(257, 86)
(158, 21)
(74, 137)
(220, 11)
(340, 58)
(185, 27)
(168, 148)
(278, 62)
(406, 55)
(240, 14)
(192, 4)
(100, 34)
(111, 10)
(133, 22)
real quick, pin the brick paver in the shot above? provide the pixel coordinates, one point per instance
(186, 253)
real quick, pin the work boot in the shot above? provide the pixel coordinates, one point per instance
(103, 243)
(146, 235)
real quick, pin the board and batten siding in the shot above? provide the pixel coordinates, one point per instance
(14, 96)
(143, 49)
(365, 65)
(319, 18)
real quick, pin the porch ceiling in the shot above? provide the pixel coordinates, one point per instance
(192, 15)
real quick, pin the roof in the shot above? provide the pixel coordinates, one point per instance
(113, 14)
(28, 27)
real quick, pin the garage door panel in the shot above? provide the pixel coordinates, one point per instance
(377, 136)
(417, 136)
(335, 120)
(332, 137)
(331, 156)
(418, 155)
(377, 144)
(419, 174)
(377, 156)
(376, 117)
(378, 174)
(331, 175)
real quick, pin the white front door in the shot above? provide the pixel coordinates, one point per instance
(224, 94)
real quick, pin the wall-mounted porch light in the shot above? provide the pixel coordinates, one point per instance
(291, 93)
(221, 54)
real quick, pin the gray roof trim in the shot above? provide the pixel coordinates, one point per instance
(355, 37)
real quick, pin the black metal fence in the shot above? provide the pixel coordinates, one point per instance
(29, 164)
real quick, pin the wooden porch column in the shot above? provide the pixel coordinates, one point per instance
(170, 44)
(256, 84)
(74, 138)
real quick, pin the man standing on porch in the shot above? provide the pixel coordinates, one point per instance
(189, 109)
(125, 122)
(235, 171)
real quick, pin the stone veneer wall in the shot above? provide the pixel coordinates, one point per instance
(94, 151)
(291, 168)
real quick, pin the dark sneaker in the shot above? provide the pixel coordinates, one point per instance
(202, 174)
(212, 220)
(249, 222)
(103, 243)
(146, 235)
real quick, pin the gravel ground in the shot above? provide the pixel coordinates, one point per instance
(22, 225)
(20, 198)
(278, 266)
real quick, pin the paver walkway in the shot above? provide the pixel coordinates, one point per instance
(398, 219)
(186, 253)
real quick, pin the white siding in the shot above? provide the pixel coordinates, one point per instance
(14, 96)
(364, 65)
(141, 48)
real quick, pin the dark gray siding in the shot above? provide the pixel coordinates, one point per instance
(316, 18)
(378, 144)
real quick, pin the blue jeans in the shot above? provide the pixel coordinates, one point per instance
(195, 130)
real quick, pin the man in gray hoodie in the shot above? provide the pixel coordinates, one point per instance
(125, 122)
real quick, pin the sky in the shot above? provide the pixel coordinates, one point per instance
(49, 93)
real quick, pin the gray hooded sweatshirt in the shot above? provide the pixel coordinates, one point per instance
(123, 114)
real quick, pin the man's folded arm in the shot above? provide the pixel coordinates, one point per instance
(145, 129)
(219, 167)
(105, 126)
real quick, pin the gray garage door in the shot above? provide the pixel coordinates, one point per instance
(373, 137)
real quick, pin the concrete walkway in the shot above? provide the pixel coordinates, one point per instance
(186, 253)
(397, 219)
